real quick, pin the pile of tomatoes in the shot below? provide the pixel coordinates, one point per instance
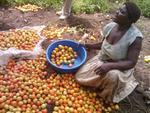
(20, 39)
(29, 86)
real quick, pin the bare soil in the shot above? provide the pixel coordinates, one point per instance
(11, 18)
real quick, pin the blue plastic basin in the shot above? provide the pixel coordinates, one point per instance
(79, 61)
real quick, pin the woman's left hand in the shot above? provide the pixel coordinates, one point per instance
(103, 69)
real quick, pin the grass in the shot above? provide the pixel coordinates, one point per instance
(83, 6)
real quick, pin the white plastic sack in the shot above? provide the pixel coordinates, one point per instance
(20, 54)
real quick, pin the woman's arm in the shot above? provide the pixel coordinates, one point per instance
(128, 63)
(132, 57)
(94, 45)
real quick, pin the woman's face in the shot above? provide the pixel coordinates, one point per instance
(121, 16)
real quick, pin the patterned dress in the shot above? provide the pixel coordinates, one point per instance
(116, 84)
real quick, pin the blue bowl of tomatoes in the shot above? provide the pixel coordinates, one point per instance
(66, 56)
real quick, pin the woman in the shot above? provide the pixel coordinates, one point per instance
(111, 71)
(66, 9)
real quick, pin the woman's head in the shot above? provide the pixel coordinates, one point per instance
(127, 14)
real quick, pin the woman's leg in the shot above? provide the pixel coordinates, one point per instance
(86, 75)
(107, 85)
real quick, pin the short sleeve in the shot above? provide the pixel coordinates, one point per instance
(136, 33)
(108, 28)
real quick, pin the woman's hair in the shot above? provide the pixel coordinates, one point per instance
(133, 10)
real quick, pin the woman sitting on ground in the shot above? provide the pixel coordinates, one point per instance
(111, 72)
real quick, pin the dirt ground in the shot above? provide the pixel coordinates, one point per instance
(11, 18)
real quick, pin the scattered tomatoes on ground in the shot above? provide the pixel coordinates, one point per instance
(28, 7)
(56, 32)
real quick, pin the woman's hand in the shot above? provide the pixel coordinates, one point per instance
(103, 69)
(92, 45)
(87, 46)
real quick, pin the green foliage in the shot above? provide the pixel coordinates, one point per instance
(143, 4)
(44, 3)
(86, 6)
(83, 6)
(3, 2)
(145, 7)
(90, 6)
